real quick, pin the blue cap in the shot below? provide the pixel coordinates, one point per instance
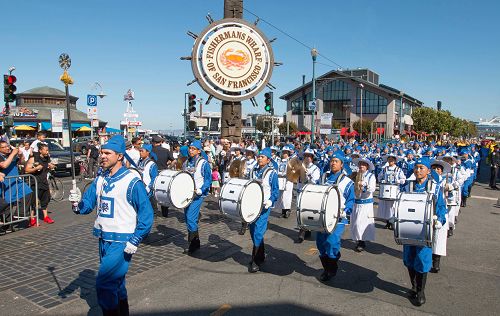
(424, 161)
(184, 151)
(339, 154)
(266, 152)
(196, 144)
(116, 144)
(147, 147)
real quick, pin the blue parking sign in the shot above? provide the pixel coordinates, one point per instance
(91, 100)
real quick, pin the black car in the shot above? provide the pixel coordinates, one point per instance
(58, 155)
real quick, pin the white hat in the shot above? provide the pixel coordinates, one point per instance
(252, 149)
(371, 167)
(385, 157)
(444, 165)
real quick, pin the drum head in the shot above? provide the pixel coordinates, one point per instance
(181, 190)
(251, 202)
(332, 209)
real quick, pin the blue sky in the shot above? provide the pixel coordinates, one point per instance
(431, 49)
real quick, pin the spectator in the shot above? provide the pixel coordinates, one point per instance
(93, 157)
(165, 144)
(495, 165)
(26, 151)
(39, 166)
(164, 156)
(175, 152)
(40, 137)
(215, 181)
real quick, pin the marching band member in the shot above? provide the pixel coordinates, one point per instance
(175, 165)
(362, 218)
(313, 176)
(285, 186)
(124, 218)
(408, 163)
(149, 170)
(275, 154)
(442, 169)
(456, 181)
(250, 163)
(468, 169)
(263, 171)
(199, 167)
(391, 174)
(329, 244)
(418, 259)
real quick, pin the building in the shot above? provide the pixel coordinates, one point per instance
(33, 109)
(340, 93)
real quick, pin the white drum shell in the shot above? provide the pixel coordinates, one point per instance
(453, 198)
(242, 199)
(388, 191)
(414, 212)
(282, 183)
(174, 188)
(318, 208)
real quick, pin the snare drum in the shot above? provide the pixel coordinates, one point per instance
(388, 191)
(318, 208)
(174, 188)
(414, 212)
(282, 183)
(452, 198)
(242, 199)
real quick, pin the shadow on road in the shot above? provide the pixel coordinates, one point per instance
(85, 281)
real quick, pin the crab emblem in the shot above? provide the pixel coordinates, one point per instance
(234, 59)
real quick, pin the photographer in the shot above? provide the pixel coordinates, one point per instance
(39, 165)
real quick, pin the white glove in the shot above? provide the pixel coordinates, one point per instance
(449, 187)
(130, 249)
(438, 225)
(268, 204)
(402, 181)
(75, 196)
(343, 214)
(198, 192)
(392, 219)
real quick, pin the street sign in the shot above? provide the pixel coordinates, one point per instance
(92, 113)
(95, 123)
(91, 100)
(312, 105)
(201, 122)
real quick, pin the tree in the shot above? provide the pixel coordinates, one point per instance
(292, 128)
(263, 124)
(367, 126)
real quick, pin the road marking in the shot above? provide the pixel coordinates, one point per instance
(312, 251)
(484, 198)
(222, 310)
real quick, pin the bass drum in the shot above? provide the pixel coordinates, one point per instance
(414, 216)
(388, 191)
(242, 199)
(174, 188)
(318, 208)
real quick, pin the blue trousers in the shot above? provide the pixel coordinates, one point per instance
(191, 214)
(417, 258)
(259, 227)
(466, 187)
(329, 244)
(110, 281)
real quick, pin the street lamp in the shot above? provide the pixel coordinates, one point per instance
(314, 54)
(361, 86)
(401, 94)
(101, 95)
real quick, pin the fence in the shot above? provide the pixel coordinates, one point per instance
(18, 192)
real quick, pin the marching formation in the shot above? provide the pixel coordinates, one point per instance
(419, 188)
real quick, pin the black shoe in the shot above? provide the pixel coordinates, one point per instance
(307, 234)
(164, 211)
(464, 202)
(387, 225)
(421, 279)
(412, 293)
(285, 213)
(301, 236)
(243, 228)
(331, 268)
(194, 242)
(435, 263)
(111, 312)
(450, 232)
(260, 255)
(360, 246)
(253, 267)
(123, 305)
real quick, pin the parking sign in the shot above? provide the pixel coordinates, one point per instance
(91, 100)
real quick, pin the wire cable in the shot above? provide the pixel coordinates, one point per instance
(291, 37)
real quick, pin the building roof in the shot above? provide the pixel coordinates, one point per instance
(45, 91)
(333, 73)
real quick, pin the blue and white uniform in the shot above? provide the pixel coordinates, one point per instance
(286, 189)
(362, 218)
(149, 171)
(391, 175)
(199, 168)
(124, 214)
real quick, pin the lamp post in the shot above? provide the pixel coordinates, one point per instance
(314, 55)
(361, 86)
(401, 94)
(101, 95)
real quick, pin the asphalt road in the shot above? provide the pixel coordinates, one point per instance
(51, 269)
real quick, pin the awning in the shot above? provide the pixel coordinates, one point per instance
(353, 133)
(32, 124)
(84, 129)
(111, 130)
(24, 128)
(380, 130)
(343, 131)
(46, 126)
(407, 120)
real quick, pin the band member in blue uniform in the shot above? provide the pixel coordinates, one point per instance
(147, 166)
(265, 172)
(468, 166)
(124, 218)
(418, 259)
(329, 244)
(390, 174)
(199, 167)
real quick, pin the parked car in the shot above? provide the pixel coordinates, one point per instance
(81, 144)
(59, 156)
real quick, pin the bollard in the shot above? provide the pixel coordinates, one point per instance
(498, 202)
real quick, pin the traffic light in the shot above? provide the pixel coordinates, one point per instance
(9, 88)
(268, 102)
(192, 102)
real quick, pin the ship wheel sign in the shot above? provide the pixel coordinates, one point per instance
(232, 60)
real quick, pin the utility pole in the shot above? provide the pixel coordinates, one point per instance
(231, 110)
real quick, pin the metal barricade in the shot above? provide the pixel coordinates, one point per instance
(20, 199)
